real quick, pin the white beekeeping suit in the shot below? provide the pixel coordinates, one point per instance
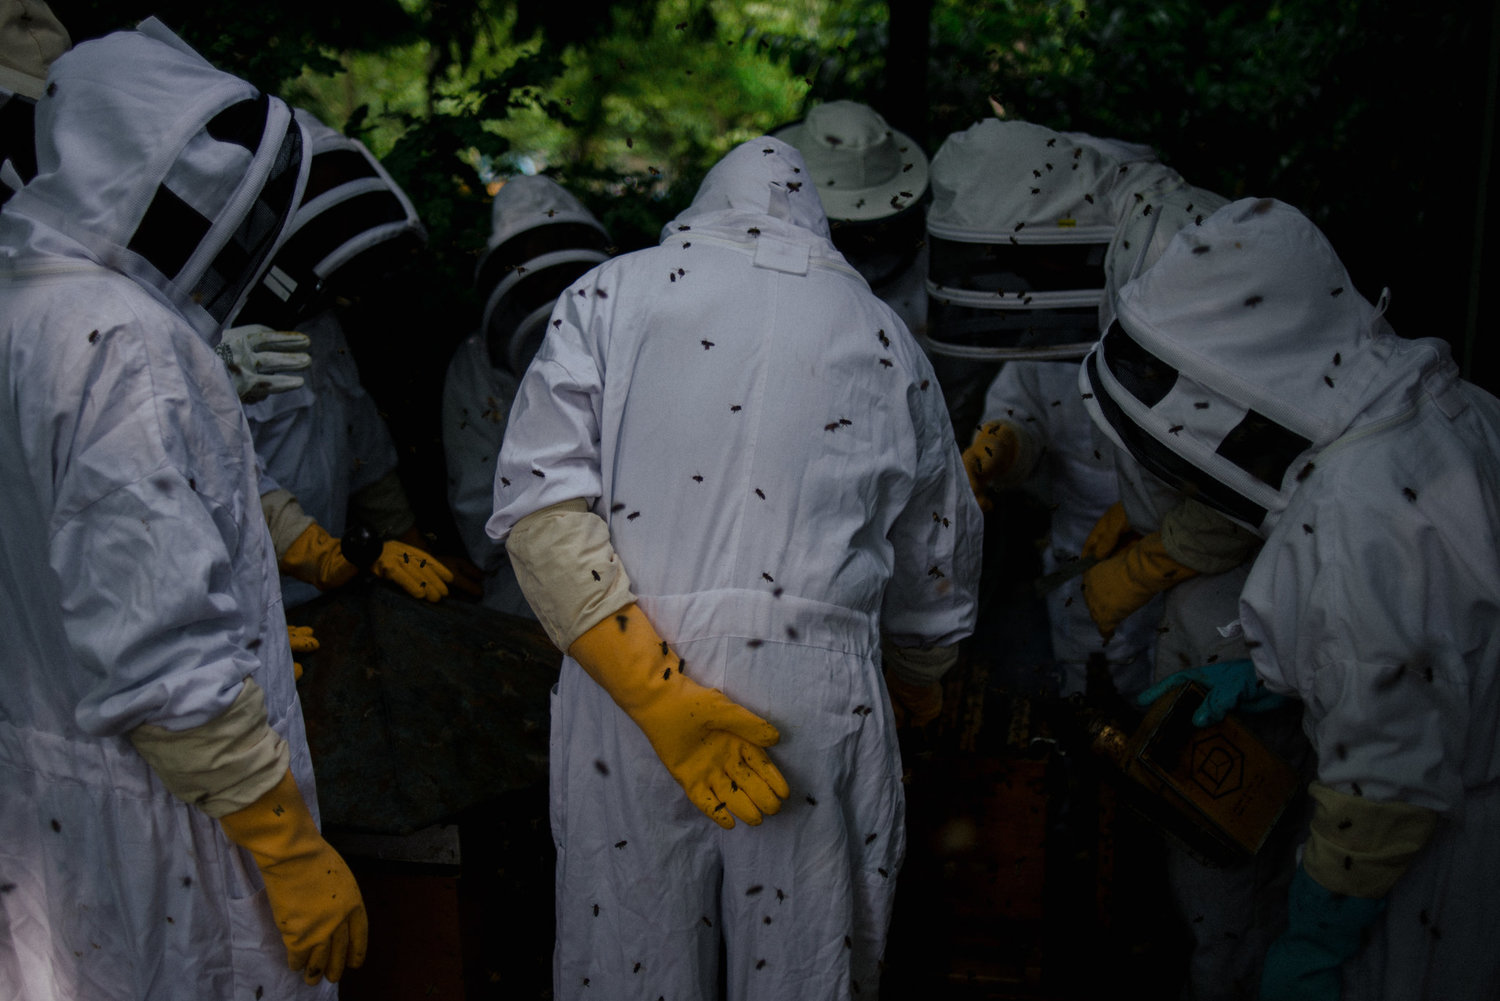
(142, 616)
(1021, 220)
(763, 455)
(1367, 465)
(323, 446)
(542, 239)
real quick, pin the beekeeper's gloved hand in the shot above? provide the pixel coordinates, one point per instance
(1356, 850)
(913, 678)
(313, 895)
(989, 458)
(1109, 533)
(258, 357)
(1122, 584)
(235, 768)
(317, 558)
(417, 571)
(1232, 684)
(712, 746)
(302, 640)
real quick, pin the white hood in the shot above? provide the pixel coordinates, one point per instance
(1243, 352)
(187, 189)
(1153, 216)
(764, 184)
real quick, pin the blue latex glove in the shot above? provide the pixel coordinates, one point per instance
(1323, 930)
(1232, 684)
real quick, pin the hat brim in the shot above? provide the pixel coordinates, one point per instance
(879, 201)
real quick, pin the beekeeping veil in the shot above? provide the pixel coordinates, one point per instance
(1236, 357)
(542, 239)
(353, 224)
(1020, 221)
(182, 177)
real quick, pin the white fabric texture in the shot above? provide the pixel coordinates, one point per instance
(323, 442)
(1375, 597)
(1069, 464)
(477, 397)
(550, 549)
(137, 580)
(782, 486)
(1153, 213)
(31, 37)
(996, 174)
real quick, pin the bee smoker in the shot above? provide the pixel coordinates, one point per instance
(1218, 789)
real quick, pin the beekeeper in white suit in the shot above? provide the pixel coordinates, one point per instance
(327, 457)
(149, 722)
(1155, 541)
(1021, 220)
(542, 239)
(1367, 465)
(727, 476)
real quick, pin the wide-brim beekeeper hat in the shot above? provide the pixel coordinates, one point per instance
(861, 167)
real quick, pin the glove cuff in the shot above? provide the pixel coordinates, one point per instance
(223, 765)
(285, 518)
(1360, 847)
(1200, 538)
(568, 570)
(918, 665)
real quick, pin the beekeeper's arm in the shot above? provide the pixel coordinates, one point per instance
(175, 677)
(1194, 539)
(306, 551)
(931, 602)
(1009, 440)
(574, 581)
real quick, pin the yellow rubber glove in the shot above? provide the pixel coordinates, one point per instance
(1123, 583)
(302, 641)
(712, 746)
(417, 571)
(316, 903)
(989, 457)
(314, 557)
(914, 704)
(1109, 533)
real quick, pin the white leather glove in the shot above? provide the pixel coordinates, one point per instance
(256, 356)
